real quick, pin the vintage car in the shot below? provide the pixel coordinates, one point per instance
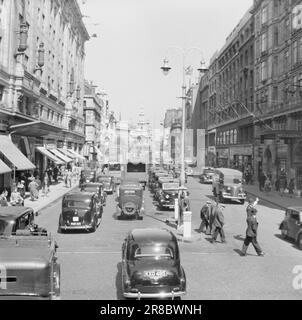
(98, 189)
(291, 226)
(28, 263)
(151, 265)
(108, 182)
(207, 175)
(189, 172)
(80, 211)
(159, 175)
(227, 185)
(167, 193)
(130, 201)
(16, 219)
(89, 174)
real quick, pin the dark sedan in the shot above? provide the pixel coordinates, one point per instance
(80, 211)
(151, 265)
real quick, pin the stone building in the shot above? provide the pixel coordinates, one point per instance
(42, 56)
(278, 87)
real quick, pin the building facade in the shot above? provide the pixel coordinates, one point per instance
(42, 56)
(278, 87)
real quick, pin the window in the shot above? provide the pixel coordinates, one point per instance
(264, 71)
(276, 36)
(295, 52)
(264, 16)
(264, 42)
(275, 66)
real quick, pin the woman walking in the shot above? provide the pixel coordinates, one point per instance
(45, 184)
(33, 190)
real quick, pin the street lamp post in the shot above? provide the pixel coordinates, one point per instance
(166, 69)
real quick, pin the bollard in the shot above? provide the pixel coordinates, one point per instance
(176, 210)
(187, 224)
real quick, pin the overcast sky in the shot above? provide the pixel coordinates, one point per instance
(133, 39)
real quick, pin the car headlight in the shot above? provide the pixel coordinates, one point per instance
(167, 197)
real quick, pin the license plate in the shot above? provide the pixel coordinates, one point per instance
(75, 219)
(156, 274)
(75, 223)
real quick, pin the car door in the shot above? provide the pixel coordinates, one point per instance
(294, 223)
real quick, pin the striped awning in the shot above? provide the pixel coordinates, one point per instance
(50, 156)
(4, 168)
(78, 156)
(14, 155)
(67, 153)
(60, 155)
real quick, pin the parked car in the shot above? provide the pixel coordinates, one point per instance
(108, 182)
(89, 174)
(17, 219)
(291, 226)
(130, 201)
(28, 263)
(207, 175)
(151, 265)
(189, 172)
(80, 211)
(228, 185)
(98, 189)
(167, 193)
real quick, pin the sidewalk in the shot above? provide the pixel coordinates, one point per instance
(56, 192)
(274, 197)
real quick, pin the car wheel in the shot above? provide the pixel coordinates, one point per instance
(242, 201)
(300, 242)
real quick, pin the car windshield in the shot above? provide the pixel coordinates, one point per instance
(232, 180)
(91, 189)
(77, 204)
(208, 171)
(4, 226)
(156, 252)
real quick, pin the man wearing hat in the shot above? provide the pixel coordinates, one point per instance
(251, 234)
(218, 223)
(205, 217)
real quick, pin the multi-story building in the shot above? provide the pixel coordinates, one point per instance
(278, 87)
(42, 56)
(94, 112)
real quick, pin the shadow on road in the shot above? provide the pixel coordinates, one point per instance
(239, 237)
(238, 251)
(118, 282)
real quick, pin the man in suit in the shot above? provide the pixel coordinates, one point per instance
(205, 217)
(218, 223)
(251, 234)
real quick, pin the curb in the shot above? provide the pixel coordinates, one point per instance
(263, 199)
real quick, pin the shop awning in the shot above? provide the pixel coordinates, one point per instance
(14, 155)
(35, 128)
(67, 153)
(60, 155)
(49, 155)
(77, 154)
(4, 168)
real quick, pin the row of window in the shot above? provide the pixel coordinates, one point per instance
(227, 137)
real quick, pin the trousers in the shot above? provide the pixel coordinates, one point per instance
(220, 231)
(254, 242)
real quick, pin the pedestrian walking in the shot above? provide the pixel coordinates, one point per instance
(218, 223)
(291, 187)
(45, 184)
(69, 178)
(283, 182)
(33, 190)
(267, 186)
(21, 188)
(277, 185)
(55, 174)
(261, 181)
(251, 234)
(205, 217)
(3, 198)
(15, 198)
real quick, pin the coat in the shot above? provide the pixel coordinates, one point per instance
(252, 226)
(218, 218)
(205, 212)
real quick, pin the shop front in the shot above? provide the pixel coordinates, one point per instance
(223, 157)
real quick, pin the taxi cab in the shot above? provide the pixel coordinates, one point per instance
(167, 193)
(151, 265)
(291, 226)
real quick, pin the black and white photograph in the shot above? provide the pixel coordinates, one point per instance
(150, 150)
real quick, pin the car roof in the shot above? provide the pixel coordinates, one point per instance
(152, 235)
(104, 176)
(130, 185)
(295, 208)
(8, 213)
(79, 195)
(229, 171)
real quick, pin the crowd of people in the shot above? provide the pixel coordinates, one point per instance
(212, 223)
(37, 185)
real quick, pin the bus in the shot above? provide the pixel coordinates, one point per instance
(115, 170)
(137, 171)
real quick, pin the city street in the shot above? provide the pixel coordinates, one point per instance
(90, 262)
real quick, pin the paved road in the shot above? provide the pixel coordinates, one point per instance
(90, 263)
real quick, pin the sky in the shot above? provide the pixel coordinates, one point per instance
(134, 37)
